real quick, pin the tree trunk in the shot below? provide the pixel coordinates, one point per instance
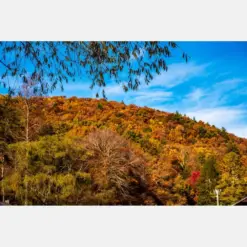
(27, 121)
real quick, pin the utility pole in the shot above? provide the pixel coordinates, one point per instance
(2, 176)
(217, 193)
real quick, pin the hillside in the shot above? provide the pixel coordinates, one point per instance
(75, 151)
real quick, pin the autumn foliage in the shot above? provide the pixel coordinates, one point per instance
(75, 151)
(195, 175)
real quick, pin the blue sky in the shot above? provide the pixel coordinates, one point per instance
(211, 87)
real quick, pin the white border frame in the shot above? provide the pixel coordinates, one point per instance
(123, 20)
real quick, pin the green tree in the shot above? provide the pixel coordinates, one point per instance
(10, 121)
(207, 182)
(46, 171)
(202, 132)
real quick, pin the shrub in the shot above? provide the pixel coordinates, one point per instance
(46, 129)
(210, 134)
(177, 117)
(119, 114)
(142, 113)
(231, 147)
(147, 129)
(202, 132)
(100, 106)
(136, 137)
(223, 133)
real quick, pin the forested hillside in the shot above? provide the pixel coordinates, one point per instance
(76, 151)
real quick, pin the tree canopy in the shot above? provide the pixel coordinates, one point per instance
(77, 151)
(51, 64)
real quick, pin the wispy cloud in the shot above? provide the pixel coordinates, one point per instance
(196, 94)
(228, 84)
(179, 73)
(232, 118)
(114, 90)
(218, 94)
(159, 89)
(238, 129)
(213, 105)
(147, 97)
(219, 116)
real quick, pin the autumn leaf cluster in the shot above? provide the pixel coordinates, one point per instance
(77, 151)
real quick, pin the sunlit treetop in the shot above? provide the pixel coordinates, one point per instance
(51, 64)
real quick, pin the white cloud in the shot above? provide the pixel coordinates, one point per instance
(147, 97)
(228, 84)
(211, 104)
(217, 95)
(178, 73)
(238, 129)
(114, 90)
(156, 92)
(196, 94)
(219, 116)
(231, 118)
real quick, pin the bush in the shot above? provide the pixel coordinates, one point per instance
(134, 136)
(86, 123)
(148, 129)
(83, 178)
(149, 147)
(163, 141)
(100, 106)
(120, 128)
(46, 129)
(223, 133)
(142, 113)
(63, 128)
(177, 117)
(119, 114)
(231, 147)
(210, 134)
(202, 132)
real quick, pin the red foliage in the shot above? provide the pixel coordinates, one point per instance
(195, 175)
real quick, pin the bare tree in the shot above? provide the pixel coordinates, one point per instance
(27, 91)
(113, 163)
